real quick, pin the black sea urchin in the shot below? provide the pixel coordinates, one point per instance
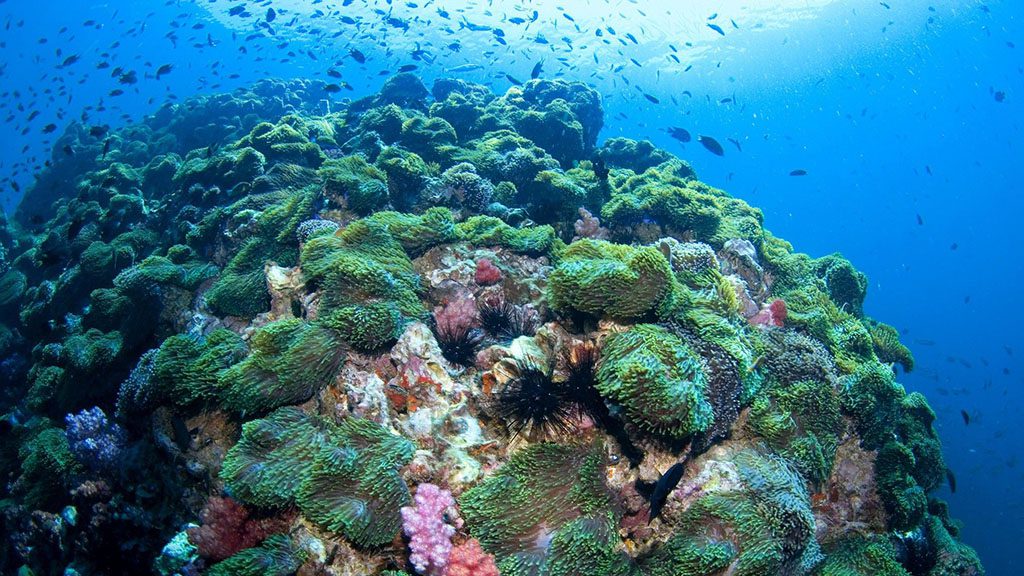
(580, 369)
(506, 321)
(531, 402)
(580, 363)
(496, 315)
(458, 342)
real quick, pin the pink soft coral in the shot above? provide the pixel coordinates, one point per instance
(589, 226)
(430, 536)
(469, 559)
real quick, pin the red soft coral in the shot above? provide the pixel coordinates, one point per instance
(779, 312)
(469, 559)
(486, 272)
(774, 315)
(228, 528)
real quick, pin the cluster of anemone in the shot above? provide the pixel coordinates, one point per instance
(601, 278)
(343, 477)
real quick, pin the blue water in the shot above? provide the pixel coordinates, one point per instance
(913, 164)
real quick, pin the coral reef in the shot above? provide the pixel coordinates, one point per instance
(486, 273)
(241, 339)
(765, 521)
(289, 361)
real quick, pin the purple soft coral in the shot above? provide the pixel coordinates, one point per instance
(93, 440)
(430, 536)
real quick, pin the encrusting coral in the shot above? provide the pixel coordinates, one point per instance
(286, 336)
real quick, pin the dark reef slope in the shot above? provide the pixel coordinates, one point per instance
(280, 325)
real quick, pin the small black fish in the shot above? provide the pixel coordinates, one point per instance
(954, 246)
(712, 145)
(735, 143)
(98, 131)
(165, 69)
(920, 221)
(798, 172)
(106, 148)
(407, 68)
(49, 128)
(357, 56)
(664, 487)
(716, 28)
(966, 417)
(513, 80)
(681, 134)
(332, 88)
(652, 99)
(537, 69)
(999, 95)
(952, 480)
(600, 169)
(271, 15)
(182, 436)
